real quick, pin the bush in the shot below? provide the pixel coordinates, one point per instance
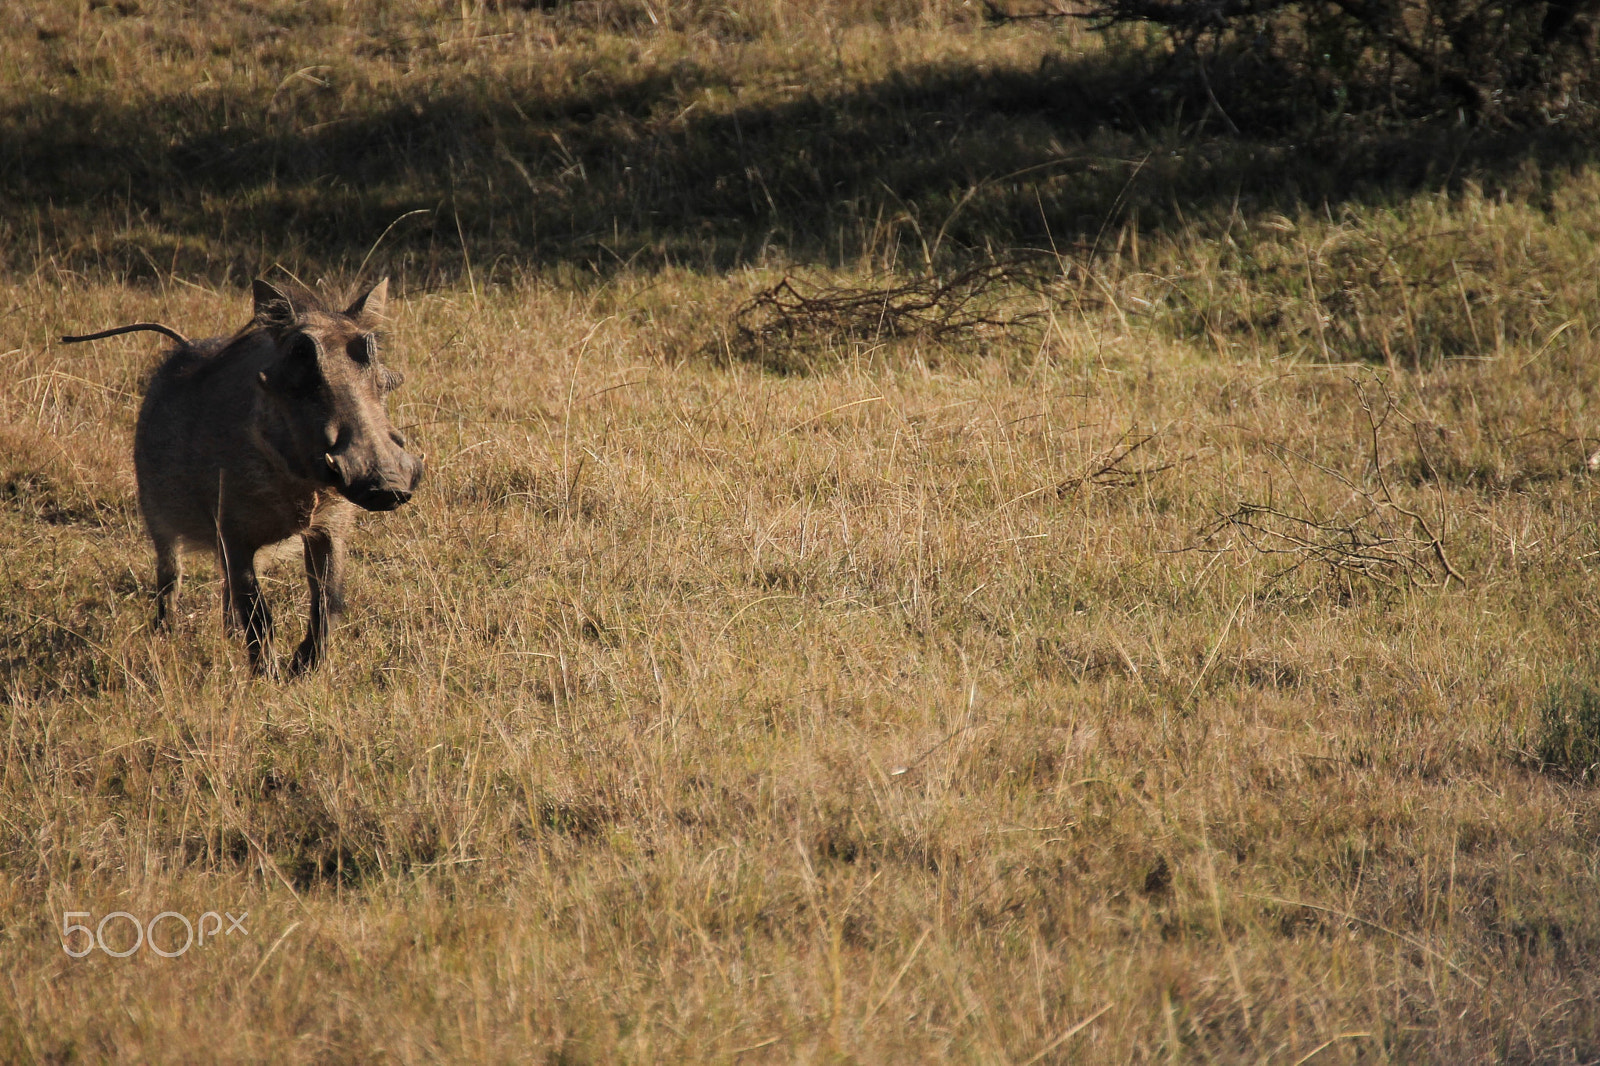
(1529, 60)
(1570, 728)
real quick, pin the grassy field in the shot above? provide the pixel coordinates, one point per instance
(1189, 662)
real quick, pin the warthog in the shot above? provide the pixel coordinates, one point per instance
(248, 440)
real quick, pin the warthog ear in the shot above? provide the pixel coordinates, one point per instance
(370, 302)
(271, 305)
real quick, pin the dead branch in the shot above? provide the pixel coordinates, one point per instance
(1348, 548)
(1106, 469)
(1384, 497)
(929, 306)
(1385, 542)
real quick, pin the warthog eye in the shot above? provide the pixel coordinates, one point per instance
(362, 349)
(297, 372)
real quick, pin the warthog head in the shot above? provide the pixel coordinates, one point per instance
(328, 386)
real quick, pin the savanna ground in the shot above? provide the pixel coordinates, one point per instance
(1184, 658)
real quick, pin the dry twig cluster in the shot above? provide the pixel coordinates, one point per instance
(930, 306)
(1381, 540)
(1106, 470)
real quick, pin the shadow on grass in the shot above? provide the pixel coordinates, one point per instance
(929, 162)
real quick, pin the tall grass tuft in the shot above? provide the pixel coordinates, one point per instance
(1569, 721)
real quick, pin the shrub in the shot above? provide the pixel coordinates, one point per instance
(1569, 737)
(1524, 59)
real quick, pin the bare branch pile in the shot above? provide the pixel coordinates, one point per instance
(929, 306)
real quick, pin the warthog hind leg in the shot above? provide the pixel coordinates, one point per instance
(324, 554)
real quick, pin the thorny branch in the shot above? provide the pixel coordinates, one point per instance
(1385, 542)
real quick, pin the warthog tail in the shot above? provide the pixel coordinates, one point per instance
(136, 327)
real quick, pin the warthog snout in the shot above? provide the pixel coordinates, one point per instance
(376, 474)
(248, 440)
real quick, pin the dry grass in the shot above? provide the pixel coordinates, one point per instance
(887, 709)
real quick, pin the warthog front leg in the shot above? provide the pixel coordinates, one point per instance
(246, 609)
(169, 575)
(324, 554)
